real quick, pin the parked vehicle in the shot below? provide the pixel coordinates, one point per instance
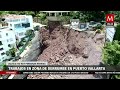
(93, 24)
(84, 26)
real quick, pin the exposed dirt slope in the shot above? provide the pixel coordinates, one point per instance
(70, 47)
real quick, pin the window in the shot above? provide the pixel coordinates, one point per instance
(7, 40)
(11, 39)
(3, 19)
(11, 20)
(23, 19)
(47, 14)
(9, 45)
(3, 53)
(26, 25)
(17, 25)
(64, 14)
(6, 34)
(52, 14)
(23, 24)
(4, 24)
(27, 20)
(10, 25)
(1, 49)
(1, 43)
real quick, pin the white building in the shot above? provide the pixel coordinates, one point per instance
(56, 13)
(19, 24)
(75, 23)
(7, 40)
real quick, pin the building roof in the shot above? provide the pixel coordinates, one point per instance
(13, 16)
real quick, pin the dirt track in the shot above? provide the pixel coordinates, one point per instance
(70, 47)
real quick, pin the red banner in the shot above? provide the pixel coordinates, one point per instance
(8, 72)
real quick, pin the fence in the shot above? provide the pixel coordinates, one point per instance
(37, 20)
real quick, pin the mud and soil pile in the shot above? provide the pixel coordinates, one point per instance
(69, 47)
(61, 42)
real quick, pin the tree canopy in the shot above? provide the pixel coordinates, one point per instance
(82, 15)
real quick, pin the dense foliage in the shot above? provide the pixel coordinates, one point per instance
(82, 15)
(29, 32)
(117, 33)
(117, 15)
(111, 53)
(12, 52)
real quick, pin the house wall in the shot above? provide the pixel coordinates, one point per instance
(16, 25)
(7, 37)
(30, 18)
(75, 23)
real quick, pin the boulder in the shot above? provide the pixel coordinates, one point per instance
(86, 52)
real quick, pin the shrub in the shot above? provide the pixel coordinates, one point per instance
(12, 52)
(117, 33)
(65, 19)
(99, 26)
(20, 44)
(23, 40)
(29, 32)
(111, 53)
(42, 16)
(98, 31)
(45, 21)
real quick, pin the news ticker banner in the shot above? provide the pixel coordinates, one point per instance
(43, 68)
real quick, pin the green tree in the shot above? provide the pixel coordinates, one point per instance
(42, 16)
(75, 15)
(29, 32)
(117, 33)
(111, 53)
(2, 13)
(33, 13)
(93, 15)
(12, 52)
(117, 15)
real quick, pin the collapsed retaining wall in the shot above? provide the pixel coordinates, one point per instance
(33, 49)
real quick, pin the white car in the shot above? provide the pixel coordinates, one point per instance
(93, 24)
